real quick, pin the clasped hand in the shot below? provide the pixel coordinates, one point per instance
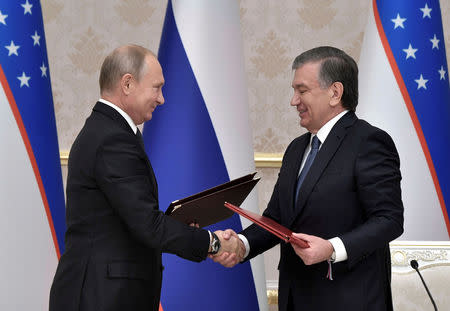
(232, 249)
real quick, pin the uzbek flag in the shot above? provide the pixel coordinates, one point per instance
(404, 89)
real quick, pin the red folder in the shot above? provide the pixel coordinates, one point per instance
(270, 225)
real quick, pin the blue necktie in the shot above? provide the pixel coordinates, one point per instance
(315, 144)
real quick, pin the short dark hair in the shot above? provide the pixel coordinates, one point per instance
(336, 66)
(125, 59)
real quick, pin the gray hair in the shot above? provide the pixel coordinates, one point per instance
(336, 66)
(125, 59)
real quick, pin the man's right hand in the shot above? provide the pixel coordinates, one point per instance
(232, 249)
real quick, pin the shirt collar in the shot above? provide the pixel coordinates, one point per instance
(122, 113)
(326, 128)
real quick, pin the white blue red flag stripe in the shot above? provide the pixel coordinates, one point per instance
(404, 88)
(200, 138)
(31, 195)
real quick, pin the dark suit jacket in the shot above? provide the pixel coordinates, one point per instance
(115, 231)
(352, 191)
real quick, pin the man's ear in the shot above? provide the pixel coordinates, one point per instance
(336, 89)
(127, 83)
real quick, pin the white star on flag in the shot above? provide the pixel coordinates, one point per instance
(421, 82)
(435, 42)
(2, 18)
(24, 80)
(43, 70)
(442, 73)
(27, 7)
(36, 38)
(410, 52)
(398, 21)
(426, 11)
(12, 49)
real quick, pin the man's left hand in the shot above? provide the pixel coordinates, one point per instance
(319, 249)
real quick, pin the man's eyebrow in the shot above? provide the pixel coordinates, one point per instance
(298, 85)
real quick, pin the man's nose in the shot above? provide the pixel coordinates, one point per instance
(295, 100)
(161, 99)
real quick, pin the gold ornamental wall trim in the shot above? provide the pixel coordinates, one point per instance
(261, 159)
(268, 159)
(64, 157)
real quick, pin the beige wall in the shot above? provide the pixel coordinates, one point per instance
(80, 33)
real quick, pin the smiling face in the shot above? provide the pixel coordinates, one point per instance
(316, 106)
(145, 95)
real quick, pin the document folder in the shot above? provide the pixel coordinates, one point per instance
(270, 225)
(207, 207)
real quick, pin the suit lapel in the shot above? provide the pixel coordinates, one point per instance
(326, 153)
(292, 168)
(152, 173)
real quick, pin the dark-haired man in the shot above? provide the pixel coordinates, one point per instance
(115, 230)
(339, 185)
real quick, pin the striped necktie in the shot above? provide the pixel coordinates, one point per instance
(315, 144)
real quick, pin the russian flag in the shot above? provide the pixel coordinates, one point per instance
(32, 224)
(199, 138)
(404, 89)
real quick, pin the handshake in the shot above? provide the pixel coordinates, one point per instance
(232, 249)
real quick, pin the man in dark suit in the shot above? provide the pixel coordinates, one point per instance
(339, 185)
(115, 230)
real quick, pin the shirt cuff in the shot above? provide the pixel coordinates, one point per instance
(246, 244)
(339, 249)
(210, 240)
